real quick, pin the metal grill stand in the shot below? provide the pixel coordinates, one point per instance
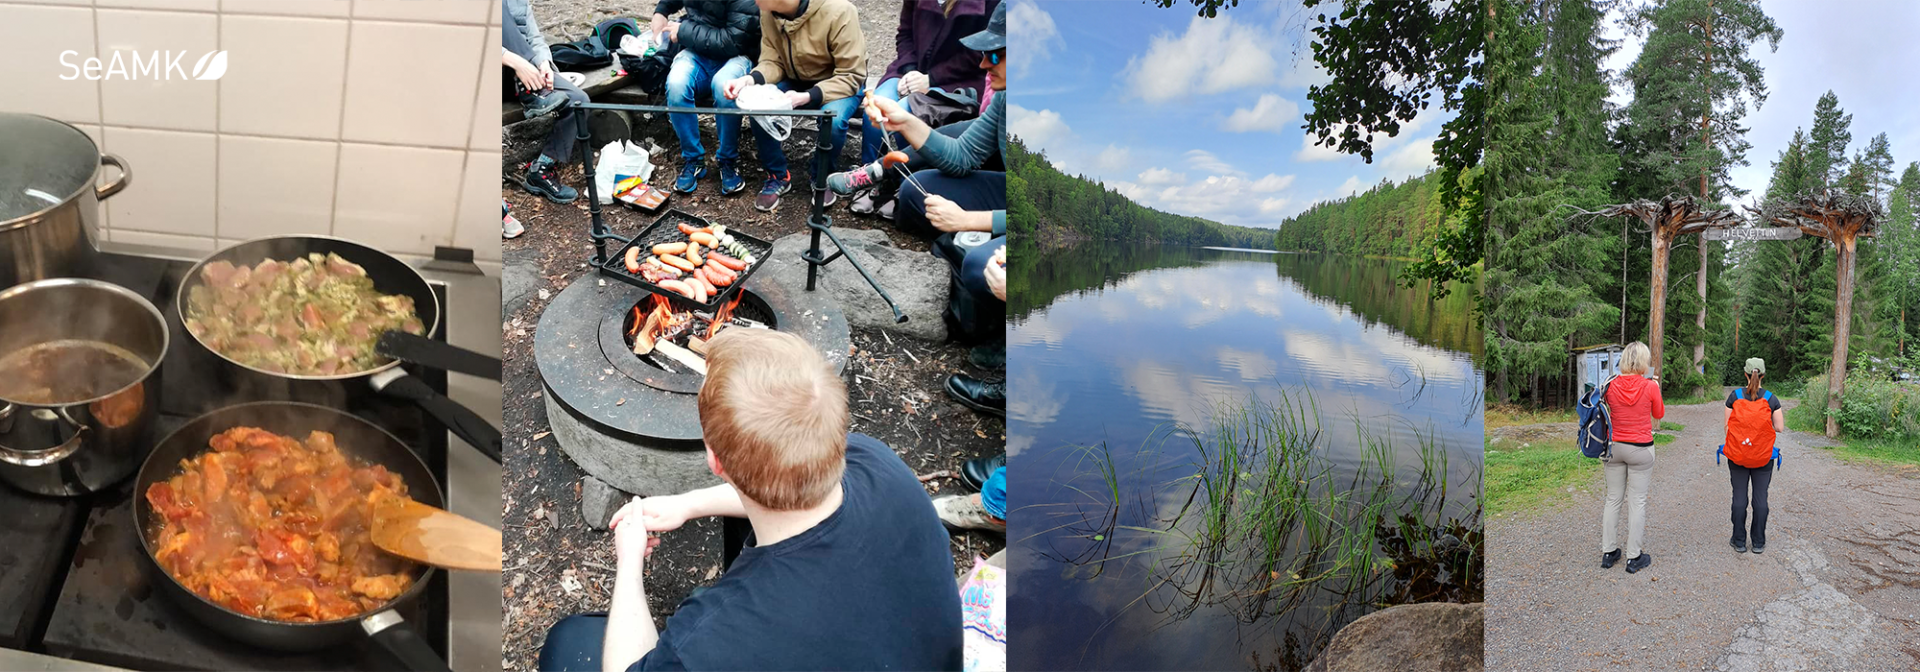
(817, 221)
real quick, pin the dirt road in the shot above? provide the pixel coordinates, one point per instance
(1837, 589)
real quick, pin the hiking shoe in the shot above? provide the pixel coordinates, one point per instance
(541, 104)
(965, 512)
(992, 356)
(847, 182)
(1739, 545)
(690, 175)
(975, 472)
(543, 179)
(510, 227)
(1608, 558)
(1640, 562)
(980, 395)
(1759, 548)
(730, 181)
(770, 191)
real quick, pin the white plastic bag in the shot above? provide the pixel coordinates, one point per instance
(768, 97)
(983, 615)
(619, 160)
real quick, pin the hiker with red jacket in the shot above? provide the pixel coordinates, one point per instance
(1754, 420)
(1633, 401)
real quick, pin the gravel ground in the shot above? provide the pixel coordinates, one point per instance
(556, 565)
(1837, 589)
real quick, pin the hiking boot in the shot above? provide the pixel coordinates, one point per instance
(1639, 562)
(730, 181)
(965, 512)
(540, 104)
(990, 356)
(975, 472)
(690, 175)
(770, 191)
(1608, 558)
(977, 394)
(1739, 545)
(543, 179)
(847, 182)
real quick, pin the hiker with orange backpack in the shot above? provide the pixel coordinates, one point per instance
(1754, 420)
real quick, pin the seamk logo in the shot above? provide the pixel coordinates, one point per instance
(130, 66)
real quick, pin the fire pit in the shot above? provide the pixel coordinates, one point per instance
(630, 419)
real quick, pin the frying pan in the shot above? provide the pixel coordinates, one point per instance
(390, 276)
(355, 437)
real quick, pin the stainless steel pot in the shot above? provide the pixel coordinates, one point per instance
(85, 445)
(49, 204)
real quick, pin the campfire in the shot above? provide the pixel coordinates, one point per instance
(661, 334)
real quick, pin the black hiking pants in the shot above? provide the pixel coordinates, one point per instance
(1758, 478)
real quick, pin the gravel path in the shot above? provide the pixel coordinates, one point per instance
(1837, 589)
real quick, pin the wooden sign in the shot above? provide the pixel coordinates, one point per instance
(1768, 233)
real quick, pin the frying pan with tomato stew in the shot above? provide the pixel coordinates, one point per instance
(363, 443)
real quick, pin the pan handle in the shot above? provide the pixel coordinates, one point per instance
(119, 183)
(392, 633)
(435, 354)
(464, 423)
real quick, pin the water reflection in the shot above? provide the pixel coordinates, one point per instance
(1119, 347)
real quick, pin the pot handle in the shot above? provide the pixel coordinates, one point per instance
(39, 458)
(392, 633)
(462, 421)
(114, 187)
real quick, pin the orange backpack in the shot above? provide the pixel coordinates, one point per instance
(1750, 430)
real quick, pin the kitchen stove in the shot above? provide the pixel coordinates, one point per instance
(73, 581)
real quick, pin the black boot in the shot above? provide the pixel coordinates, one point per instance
(975, 472)
(1608, 558)
(979, 395)
(542, 179)
(1639, 562)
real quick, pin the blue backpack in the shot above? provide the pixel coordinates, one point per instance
(1596, 423)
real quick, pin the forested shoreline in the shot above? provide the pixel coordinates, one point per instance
(1046, 204)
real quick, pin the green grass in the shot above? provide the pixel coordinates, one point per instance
(1661, 439)
(1672, 426)
(1519, 479)
(1508, 415)
(1813, 420)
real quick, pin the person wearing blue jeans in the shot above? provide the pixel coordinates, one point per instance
(717, 42)
(690, 73)
(871, 142)
(814, 51)
(774, 158)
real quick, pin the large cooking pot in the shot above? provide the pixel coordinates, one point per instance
(100, 344)
(49, 204)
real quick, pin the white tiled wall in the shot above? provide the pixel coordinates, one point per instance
(367, 119)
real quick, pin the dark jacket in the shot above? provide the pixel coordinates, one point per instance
(717, 29)
(928, 41)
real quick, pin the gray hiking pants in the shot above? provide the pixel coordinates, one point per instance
(1629, 472)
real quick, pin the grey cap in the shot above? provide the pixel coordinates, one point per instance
(1756, 365)
(994, 38)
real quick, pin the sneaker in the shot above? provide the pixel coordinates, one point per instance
(1739, 545)
(992, 356)
(541, 104)
(690, 175)
(847, 182)
(730, 181)
(1639, 562)
(886, 210)
(980, 395)
(510, 227)
(1608, 558)
(771, 191)
(1759, 548)
(975, 472)
(965, 512)
(827, 198)
(544, 180)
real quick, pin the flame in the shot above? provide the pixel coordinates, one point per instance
(725, 313)
(660, 307)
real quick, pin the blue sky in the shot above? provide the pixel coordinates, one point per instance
(1188, 115)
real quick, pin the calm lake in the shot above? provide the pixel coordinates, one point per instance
(1118, 351)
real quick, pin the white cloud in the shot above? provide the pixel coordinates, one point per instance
(1381, 143)
(1348, 188)
(1304, 73)
(1205, 160)
(1214, 55)
(1270, 113)
(1413, 159)
(1030, 31)
(1229, 199)
(1161, 176)
(1272, 182)
(1042, 130)
(1113, 158)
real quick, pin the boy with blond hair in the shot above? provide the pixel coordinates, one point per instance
(847, 565)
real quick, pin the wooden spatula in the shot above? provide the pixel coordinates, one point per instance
(436, 537)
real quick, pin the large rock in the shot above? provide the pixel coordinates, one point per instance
(1433, 637)
(917, 281)
(520, 279)
(599, 501)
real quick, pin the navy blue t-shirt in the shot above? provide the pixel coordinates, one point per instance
(869, 588)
